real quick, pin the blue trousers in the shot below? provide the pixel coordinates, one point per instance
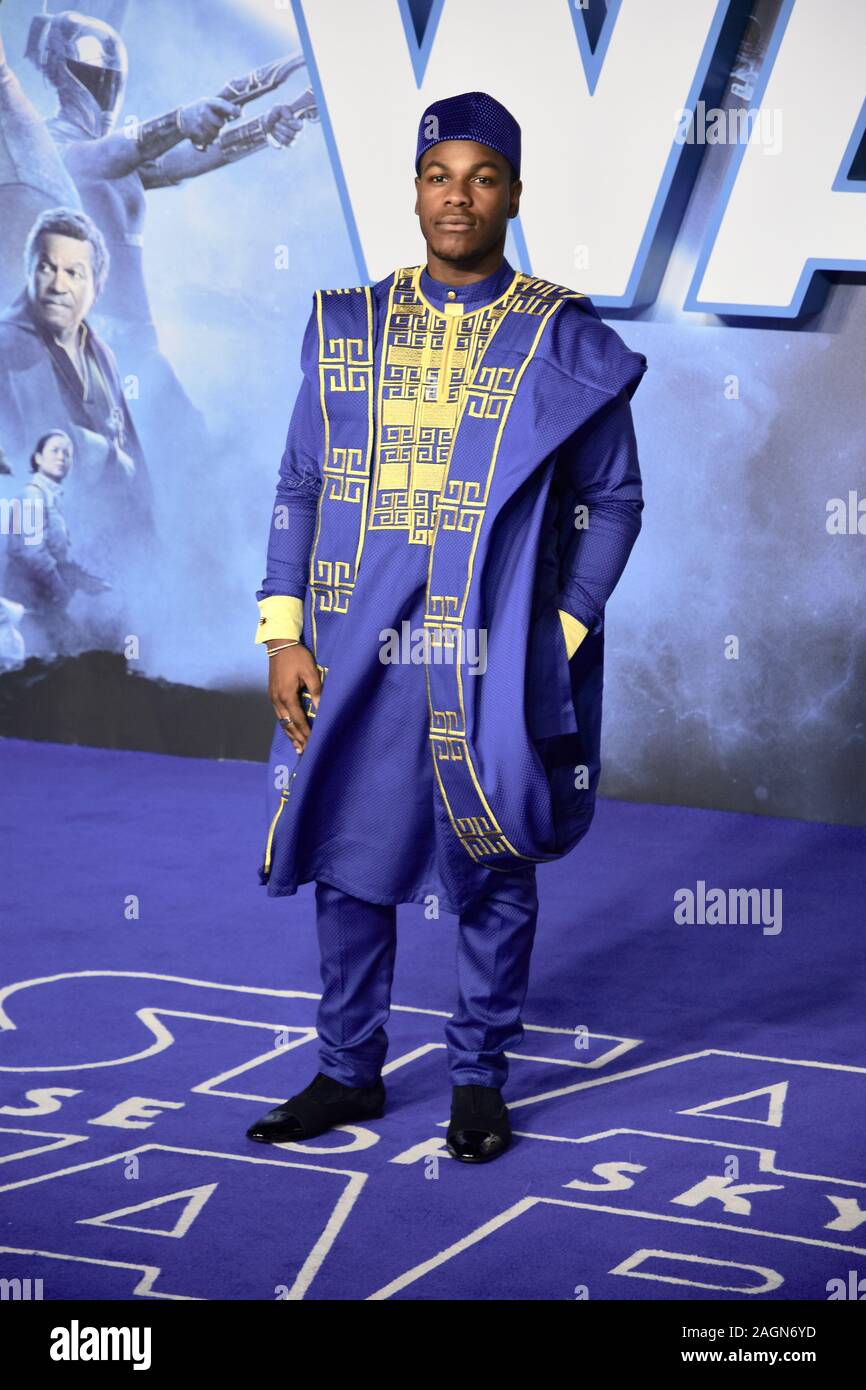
(358, 947)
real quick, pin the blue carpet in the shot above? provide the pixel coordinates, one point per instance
(688, 1100)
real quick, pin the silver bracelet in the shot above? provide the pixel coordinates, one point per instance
(272, 651)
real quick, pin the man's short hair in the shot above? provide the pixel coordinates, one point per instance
(69, 222)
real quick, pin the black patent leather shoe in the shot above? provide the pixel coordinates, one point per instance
(480, 1128)
(319, 1107)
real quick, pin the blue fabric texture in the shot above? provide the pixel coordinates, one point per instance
(437, 461)
(357, 952)
(470, 116)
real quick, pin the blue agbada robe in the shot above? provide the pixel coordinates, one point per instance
(458, 449)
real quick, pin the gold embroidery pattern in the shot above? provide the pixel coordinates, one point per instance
(432, 382)
(345, 372)
(333, 586)
(482, 838)
(488, 400)
(346, 364)
(345, 474)
(427, 360)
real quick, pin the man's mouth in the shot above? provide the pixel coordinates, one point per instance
(455, 224)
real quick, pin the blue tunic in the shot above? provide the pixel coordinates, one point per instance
(455, 440)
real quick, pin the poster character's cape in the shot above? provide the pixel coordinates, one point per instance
(515, 749)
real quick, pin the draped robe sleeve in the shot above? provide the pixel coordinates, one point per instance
(293, 518)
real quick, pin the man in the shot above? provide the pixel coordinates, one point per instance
(54, 370)
(455, 424)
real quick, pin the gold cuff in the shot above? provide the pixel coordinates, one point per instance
(281, 616)
(574, 632)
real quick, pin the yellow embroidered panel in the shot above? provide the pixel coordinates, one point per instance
(427, 359)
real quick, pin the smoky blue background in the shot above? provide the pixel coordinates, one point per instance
(734, 538)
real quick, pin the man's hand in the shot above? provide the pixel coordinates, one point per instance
(291, 670)
(282, 125)
(202, 121)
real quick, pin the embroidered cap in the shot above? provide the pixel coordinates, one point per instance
(470, 116)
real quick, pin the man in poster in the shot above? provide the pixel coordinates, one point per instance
(53, 367)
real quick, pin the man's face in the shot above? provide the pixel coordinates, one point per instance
(464, 199)
(61, 287)
(56, 457)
